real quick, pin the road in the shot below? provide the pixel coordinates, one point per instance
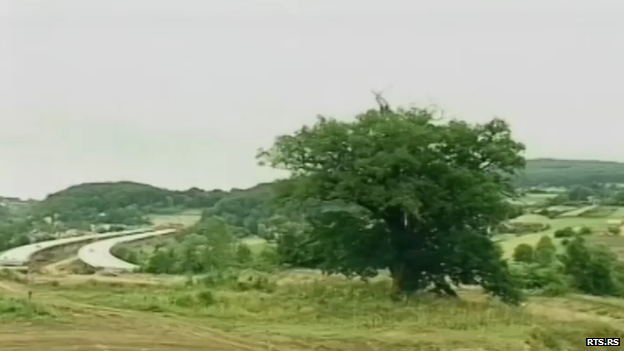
(21, 255)
(98, 255)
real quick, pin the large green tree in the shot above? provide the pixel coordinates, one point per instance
(406, 191)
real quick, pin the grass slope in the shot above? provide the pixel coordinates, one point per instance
(292, 312)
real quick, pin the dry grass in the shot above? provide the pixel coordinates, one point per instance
(298, 311)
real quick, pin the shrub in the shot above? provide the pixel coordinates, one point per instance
(565, 232)
(184, 300)
(614, 230)
(206, 298)
(593, 270)
(13, 308)
(585, 231)
(523, 253)
(548, 280)
(215, 278)
(545, 251)
(243, 254)
(556, 288)
(251, 280)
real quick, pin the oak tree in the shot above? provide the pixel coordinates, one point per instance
(406, 191)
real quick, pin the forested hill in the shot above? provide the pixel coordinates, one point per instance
(129, 202)
(120, 202)
(557, 172)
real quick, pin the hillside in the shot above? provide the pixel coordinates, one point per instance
(128, 202)
(557, 172)
(119, 202)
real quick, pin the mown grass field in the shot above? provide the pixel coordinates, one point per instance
(186, 218)
(289, 313)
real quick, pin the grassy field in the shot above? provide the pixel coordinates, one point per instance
(186, 218)
(597, 224)
(534, 199)
(289, 313)
(615, 243)
(292, 311)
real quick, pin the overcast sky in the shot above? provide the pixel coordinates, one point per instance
(182, 93)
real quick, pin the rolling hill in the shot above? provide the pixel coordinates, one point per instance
(558, 172)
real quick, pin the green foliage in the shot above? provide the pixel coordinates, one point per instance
(206, 298)
(125, 254)
(268, 259)
(15, 224)
(564, 232)
(593, 269)
(547, 280)
(580, 193)
(614, 230)
(545, 251)
(514, 211)
(118, 202)
(243, 254)
(523, 253)
(402, 191)
(585, 231)
(210, 247)
(22, 309)
(251, 280)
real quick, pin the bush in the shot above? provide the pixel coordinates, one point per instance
(545, 251)
(243, 254)
(547, 280)
(206, 298)
(614, 230)
(565, 232)
(557, 288)
(523, 253)
(593, 270)
(251, 280)
(13, 308)
(585, 231)
(216, 278)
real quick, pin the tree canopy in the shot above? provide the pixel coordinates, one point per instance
(407, 192)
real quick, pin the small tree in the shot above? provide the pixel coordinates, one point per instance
(243, 254)
(545, 251)
(593, 269)
(523, 253)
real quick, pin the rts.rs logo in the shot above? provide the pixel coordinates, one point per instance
(603, 342)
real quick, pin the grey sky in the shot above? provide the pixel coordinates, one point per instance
(182, 93)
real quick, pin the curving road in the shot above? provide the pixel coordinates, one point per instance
(98, 255)
(21, 255)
